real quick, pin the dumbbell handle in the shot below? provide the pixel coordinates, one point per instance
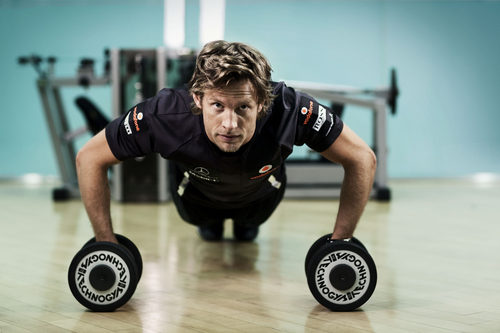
(340, 240)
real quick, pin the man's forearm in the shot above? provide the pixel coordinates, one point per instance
(94, 189)
(356, 189)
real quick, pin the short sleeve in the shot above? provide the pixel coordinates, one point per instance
(129, 135)
(315, 124)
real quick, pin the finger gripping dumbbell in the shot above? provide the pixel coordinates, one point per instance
(103, 275)
(341, 274)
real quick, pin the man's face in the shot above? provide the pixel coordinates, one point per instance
(229, 115)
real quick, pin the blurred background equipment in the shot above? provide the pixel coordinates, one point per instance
(62, 137)
(316, 176)
(137, 74)
(134, 75)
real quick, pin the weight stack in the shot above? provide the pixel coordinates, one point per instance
(137, 74)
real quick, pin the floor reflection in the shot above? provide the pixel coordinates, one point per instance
(329, 321)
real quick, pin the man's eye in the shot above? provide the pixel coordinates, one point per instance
(244, 107)
(217, 105)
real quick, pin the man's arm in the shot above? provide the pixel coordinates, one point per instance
(92, 163)
(359, 163)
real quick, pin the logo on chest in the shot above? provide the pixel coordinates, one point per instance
(204, 174)
(264, 171)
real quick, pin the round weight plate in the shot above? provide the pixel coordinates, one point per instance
(331, 256)
(135, 252)
(356, 241)
(316, 245)
(94, 256)
(323, 240)
(131, 247)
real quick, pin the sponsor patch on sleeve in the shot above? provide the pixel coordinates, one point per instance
(331, 123)
(312, 114)
(321, 118)
(134, 122)
(306, 109)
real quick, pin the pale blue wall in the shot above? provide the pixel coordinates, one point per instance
(446, 52)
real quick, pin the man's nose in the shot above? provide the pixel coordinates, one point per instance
(229, 120)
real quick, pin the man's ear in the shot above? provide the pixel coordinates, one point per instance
(197, 100)
(259, 108)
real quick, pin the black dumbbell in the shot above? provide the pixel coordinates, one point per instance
(131, 247)
(103, 275)
(341, 274)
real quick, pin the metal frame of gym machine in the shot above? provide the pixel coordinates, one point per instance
(313, 179)
(61, 136)
(161, 78)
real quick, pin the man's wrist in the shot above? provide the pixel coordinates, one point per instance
(106, 237)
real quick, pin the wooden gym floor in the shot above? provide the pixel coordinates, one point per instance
(436, 246)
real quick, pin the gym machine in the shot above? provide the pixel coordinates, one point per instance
(134, 75)
(138, 74)
(317, 178)
(62, 137)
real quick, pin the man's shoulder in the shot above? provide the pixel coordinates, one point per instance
(284, 99)
(170, 115)
(173, 102)
(279, 88)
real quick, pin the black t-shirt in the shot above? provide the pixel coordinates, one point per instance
(165, 124)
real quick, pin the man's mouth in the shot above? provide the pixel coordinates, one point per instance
(228, 137)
